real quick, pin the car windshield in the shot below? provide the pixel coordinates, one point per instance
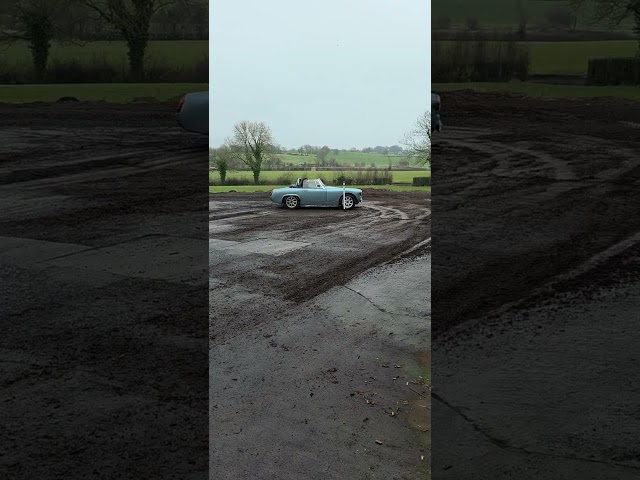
(312, 183)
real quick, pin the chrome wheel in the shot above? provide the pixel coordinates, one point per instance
(291, 202)
(349, 202)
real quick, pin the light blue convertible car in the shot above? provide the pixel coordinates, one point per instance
(193, 112)
(313, 192)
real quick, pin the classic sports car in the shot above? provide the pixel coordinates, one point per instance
(193, 112)
(313, 192)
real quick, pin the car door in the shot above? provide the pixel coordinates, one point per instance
(313, 194)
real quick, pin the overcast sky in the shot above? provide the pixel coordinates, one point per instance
(342, 73)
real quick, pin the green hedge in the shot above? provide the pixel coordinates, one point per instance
(478, 61)
(421, 181)
(613, 71)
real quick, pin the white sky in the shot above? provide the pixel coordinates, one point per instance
(342, 73)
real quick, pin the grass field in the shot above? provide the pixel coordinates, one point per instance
(541, 90)
(402, 176)
(267, 188)
(572, 58)
(110, 92)
(184, 61)
(503, 13)
(176, 53)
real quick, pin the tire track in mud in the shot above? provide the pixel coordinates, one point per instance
(502, 153)
(341, 244)
(78, 183)
(506, 227)
(284, 220)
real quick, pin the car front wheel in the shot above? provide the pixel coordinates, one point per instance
(291, 202)
(349, 201)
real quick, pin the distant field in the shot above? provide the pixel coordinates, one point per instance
(541, 90)
(503, 13)
(267, 188)
(175, 53)
(111, 92)
(402, 176)
(347, 158)
(572, 58)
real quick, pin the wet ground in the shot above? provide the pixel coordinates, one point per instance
(103, 352)
(320, 338)
(535, 279)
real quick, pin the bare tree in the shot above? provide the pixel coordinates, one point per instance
(132, 18)
(251, 142)
(418, 142)
(179, 14)
(613, 12)
(37, 24)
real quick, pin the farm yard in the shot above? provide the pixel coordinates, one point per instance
(305, 321)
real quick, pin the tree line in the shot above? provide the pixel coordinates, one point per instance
(324, 151)
(252, 145)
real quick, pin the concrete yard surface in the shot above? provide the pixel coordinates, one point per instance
(307, 395)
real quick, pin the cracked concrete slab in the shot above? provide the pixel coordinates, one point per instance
(26, 251)
(462, 451)
(331, 370)
(397, 294)
(130, 259)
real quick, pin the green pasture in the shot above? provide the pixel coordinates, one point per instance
(174, 53)
(571, 58)
(543, 90)
(108, 92)
(399, 176)
(503, 13)
(267, 188)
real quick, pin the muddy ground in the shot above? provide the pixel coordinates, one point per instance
(103, 352)
(537, 216)
(527, 190)
(320, 338)
(343, 244)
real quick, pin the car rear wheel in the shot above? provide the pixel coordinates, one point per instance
(291, 202)
(349, 201)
